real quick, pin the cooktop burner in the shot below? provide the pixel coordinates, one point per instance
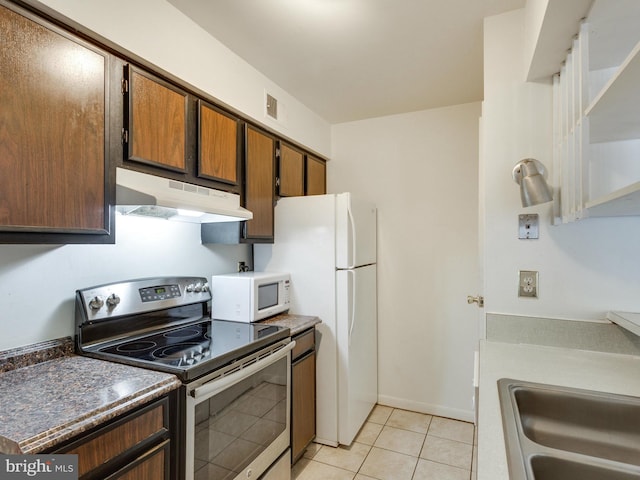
(180, 347)
(163, 324)
(187, 346)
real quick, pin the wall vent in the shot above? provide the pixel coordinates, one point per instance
(272, 107)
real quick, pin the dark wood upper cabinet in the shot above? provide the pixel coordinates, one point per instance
(218, 135)
(315, 176)
(291, 171)
(73, 108)
(156, 114)
(55, 184)
(259, 184)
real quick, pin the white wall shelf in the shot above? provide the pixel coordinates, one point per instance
(552, 25)
(628, 320)
(597, 116)
(615, 112)
(623, 202)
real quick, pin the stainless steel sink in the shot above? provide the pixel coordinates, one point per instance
(556, 432)
(545, 467)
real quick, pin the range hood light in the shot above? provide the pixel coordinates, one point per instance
(152, 196)
(188, 213)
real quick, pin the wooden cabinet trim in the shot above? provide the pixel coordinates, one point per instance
(305, 342)
(218, 158)
(80, 217)
(175, 103)
(152, 465)
(303, 404)
(315, 176)
(131, 433)
(259, 193)
(290, 171)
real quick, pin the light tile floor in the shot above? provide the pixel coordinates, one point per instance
(396, 444)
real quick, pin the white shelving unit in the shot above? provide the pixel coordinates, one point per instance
(627, 320)
(597, 115)
(615, 113)
(622, 202)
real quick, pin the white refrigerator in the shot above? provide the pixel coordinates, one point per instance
(328, 244)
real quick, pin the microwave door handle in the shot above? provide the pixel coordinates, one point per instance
(208, 390)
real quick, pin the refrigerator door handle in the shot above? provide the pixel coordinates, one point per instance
(352, 246)
(352, 299)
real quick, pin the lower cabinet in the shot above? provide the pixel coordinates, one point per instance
(303, 393)
(153, 464)
(136, 445)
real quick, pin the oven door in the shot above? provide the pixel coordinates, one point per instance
(237, 420)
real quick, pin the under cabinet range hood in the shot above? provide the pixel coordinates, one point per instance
(152, 196)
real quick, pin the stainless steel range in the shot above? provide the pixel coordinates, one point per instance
(235, 399)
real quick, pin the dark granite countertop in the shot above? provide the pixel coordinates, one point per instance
(55, 399)
(295, 323)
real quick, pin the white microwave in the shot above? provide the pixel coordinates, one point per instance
(249, 296)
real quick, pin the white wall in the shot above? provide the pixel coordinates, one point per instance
(156, 31)
(421, 170)
(586, 268)
(38, 282)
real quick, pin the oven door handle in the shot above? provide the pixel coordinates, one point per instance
(215, 386)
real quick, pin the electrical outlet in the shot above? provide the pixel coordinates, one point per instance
(528, 284)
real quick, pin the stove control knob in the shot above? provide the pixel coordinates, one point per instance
(198, 287)
(190, 287)
(96, 303)
(205, 287)
(113, 300)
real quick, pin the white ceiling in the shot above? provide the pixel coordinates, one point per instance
(354, 59)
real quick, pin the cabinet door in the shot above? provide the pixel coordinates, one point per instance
(303, 404)
(156, 119)
(217, 145)
(291, 171)
(259, 185)
(54, 183)
(153, 465)
(123, 438)
(315, 176)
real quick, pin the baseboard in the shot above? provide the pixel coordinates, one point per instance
(420, 407)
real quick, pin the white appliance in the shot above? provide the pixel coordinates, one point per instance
(249, 296)
(142, 194)
(328, 244)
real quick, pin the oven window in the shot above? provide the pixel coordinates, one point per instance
(267, 296)
(238, 424)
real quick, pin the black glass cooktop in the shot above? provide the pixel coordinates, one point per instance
(195, 349)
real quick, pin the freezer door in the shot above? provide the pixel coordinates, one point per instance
(357, 340)
(355, 232)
